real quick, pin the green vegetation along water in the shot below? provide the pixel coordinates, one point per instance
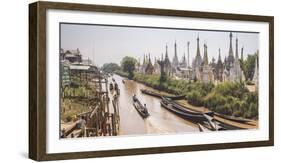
(229, 98)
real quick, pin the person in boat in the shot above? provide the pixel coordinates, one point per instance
(134, 97)
(81, 124)
(116, 86)
(144, 108)
(111, 86)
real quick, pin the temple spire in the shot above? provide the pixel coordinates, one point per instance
(236, 49)
(175, 61)
(166, 55)
(188, 53)
(176, 49)
(242, 50)
(219, 54)
(230, 45)
(219, 58)
(205, 55)
(198, 49)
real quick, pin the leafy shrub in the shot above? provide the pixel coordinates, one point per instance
(68, 118)
(195, 98)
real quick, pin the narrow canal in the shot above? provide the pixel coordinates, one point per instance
(159, 121)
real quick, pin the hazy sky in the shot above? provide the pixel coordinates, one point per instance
(105, 44)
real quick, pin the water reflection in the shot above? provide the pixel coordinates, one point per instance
(159, 121)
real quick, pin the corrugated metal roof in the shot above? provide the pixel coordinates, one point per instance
(79, 67)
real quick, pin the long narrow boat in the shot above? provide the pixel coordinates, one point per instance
(202, 128)
(140, 108)
(214, 123)
(191, 117)
(232, 118)
(118, 92)
(187, 110)
(116, 86)
(159, 95)
(226, 126)
(110, 86)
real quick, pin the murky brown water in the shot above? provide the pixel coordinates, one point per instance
(159, 121)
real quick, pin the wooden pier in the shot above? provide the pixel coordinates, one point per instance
(98, 120)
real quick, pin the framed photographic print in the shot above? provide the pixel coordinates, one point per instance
(111, 81)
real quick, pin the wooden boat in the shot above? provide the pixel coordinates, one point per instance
(187, 110)
(225, 126)
(116, 86)
(159, 95)
(140, 108)
(191, 117)
(211, 122)
(232, 118)
(111, 86)
(202, 128)
(176, 97)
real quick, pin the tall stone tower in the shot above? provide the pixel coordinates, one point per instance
(188, 65)
(242, 57)
(175, 62)
(167, 64)
(219, 68)
(205, 59)
(198, 59)
(236, 49)
(196, 64)
(230, 58)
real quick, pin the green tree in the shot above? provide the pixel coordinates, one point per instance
(248, 66)
(128, 65)
(111, 67)
(163, 76)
